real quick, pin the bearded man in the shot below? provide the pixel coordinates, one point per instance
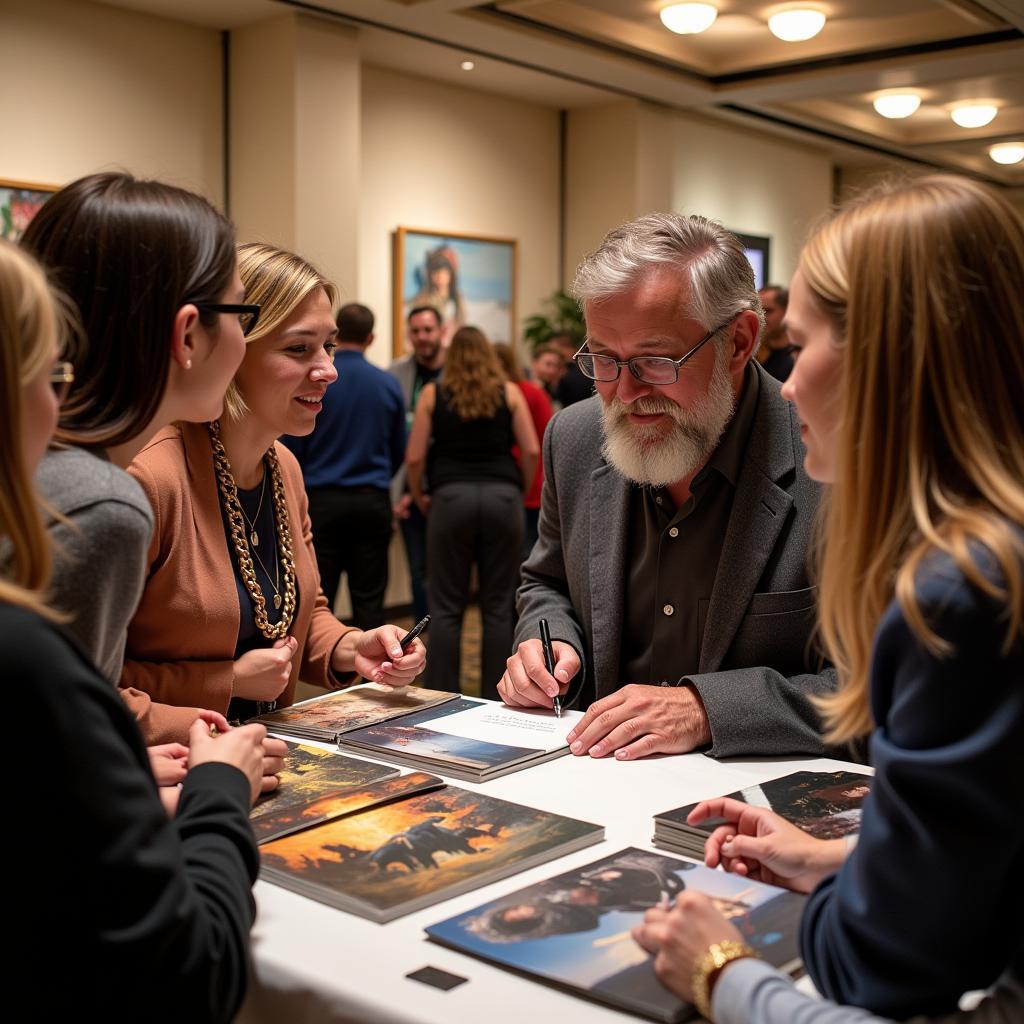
(675, 518)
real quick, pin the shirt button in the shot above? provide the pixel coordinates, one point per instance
(669, 610)
(674, 532)
(658, 499)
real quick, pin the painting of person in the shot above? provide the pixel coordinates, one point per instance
(439, 287)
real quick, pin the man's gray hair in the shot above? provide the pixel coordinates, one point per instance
(712, 259)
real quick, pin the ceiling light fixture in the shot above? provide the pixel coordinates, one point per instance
(1007, 152)
(688, 19)
(974, 115)
(895, 105)
(796, 24)
(467, 65)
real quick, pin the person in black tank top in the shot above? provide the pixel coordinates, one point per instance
(465, 427)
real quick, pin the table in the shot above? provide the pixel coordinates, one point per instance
(315, 964)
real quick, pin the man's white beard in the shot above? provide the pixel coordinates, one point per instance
(646, 453)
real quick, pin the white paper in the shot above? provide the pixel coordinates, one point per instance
(494, 723)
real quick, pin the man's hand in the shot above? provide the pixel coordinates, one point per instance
(274, 752)
(641, 719)
(402, 508)
(528, 684)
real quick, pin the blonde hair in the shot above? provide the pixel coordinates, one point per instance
(279, 282)
(923, 282)
(31, 328)
(472, 379)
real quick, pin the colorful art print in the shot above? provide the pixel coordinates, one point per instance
(407, 737)
(352, 709)
(827, 805)
(20, 201)
(314, 783)
(417, 851)
(469, 279)
(574, 930)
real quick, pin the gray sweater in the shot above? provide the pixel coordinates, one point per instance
(100, 554)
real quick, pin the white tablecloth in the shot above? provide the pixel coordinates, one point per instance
(314, 964)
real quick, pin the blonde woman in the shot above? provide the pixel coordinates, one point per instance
(473, 416)
(135, 908)
(232, 614)
(907, 310)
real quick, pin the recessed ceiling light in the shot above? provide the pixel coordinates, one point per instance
(467, 65)
(1007, 152)
(797, 24)
(897, 104)
(974, 115)
(688, 19)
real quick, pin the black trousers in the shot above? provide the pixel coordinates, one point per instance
(351, 534)
(469, 522)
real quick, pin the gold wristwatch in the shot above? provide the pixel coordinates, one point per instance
(705, 973)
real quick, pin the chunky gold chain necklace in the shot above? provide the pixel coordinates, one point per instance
(237, 526)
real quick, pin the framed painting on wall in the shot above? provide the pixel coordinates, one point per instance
(469, 279)
(758, 251)
(19, 203)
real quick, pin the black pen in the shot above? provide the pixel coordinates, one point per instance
(549, 661)
(414, 632)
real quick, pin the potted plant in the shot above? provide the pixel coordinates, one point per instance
(565, 318)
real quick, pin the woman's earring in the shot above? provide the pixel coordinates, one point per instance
(188, 364)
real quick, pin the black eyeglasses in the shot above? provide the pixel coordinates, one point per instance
(62, 376)
(647, 369)
(248, 313)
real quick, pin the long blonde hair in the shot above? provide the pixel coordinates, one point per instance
(472, 379)
(925, 285)
(279, 282)
(31, 327)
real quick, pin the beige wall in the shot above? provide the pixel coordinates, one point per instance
(629, 158)
(436, 156)
(89, 87)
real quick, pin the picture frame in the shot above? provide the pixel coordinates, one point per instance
(19, 203)
(470, 279)
(758, 251)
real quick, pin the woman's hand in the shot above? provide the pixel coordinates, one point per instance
(677, 938)
(379, 657)
(263, 674)
(273, 762)
(762, 845)
(423, 504)
(241, 747)
(169, 763)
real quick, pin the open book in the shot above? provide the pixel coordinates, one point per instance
(827, 805)
(573, 930)
(474, 740)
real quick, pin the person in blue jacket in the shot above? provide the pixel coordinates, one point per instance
(907, 311)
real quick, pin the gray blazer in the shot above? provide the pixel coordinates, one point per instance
(758, 668)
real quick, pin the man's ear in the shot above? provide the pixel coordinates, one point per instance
(744, 340)
(184, 340)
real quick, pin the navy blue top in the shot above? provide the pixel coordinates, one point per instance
(359, 438)
(930, 903)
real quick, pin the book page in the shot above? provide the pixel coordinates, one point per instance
(494, 723)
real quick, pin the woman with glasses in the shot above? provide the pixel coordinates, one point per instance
(233, 615)
(906, 311)
(152, 273)
(474, 416)
(146, 917)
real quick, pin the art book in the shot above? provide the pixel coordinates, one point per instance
(573, 930)
(394, 859)
(827, 805)
(474, 740)
(326, 718)
(314, 789)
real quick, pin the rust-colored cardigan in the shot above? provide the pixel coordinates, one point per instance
(181, 643)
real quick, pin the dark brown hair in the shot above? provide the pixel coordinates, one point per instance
(129, 254)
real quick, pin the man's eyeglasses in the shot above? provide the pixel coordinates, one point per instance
(61, 378)
(647, 369)
(248, 313)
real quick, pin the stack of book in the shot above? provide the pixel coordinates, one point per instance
(573, 931)
(471, 740)
(827, 805)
